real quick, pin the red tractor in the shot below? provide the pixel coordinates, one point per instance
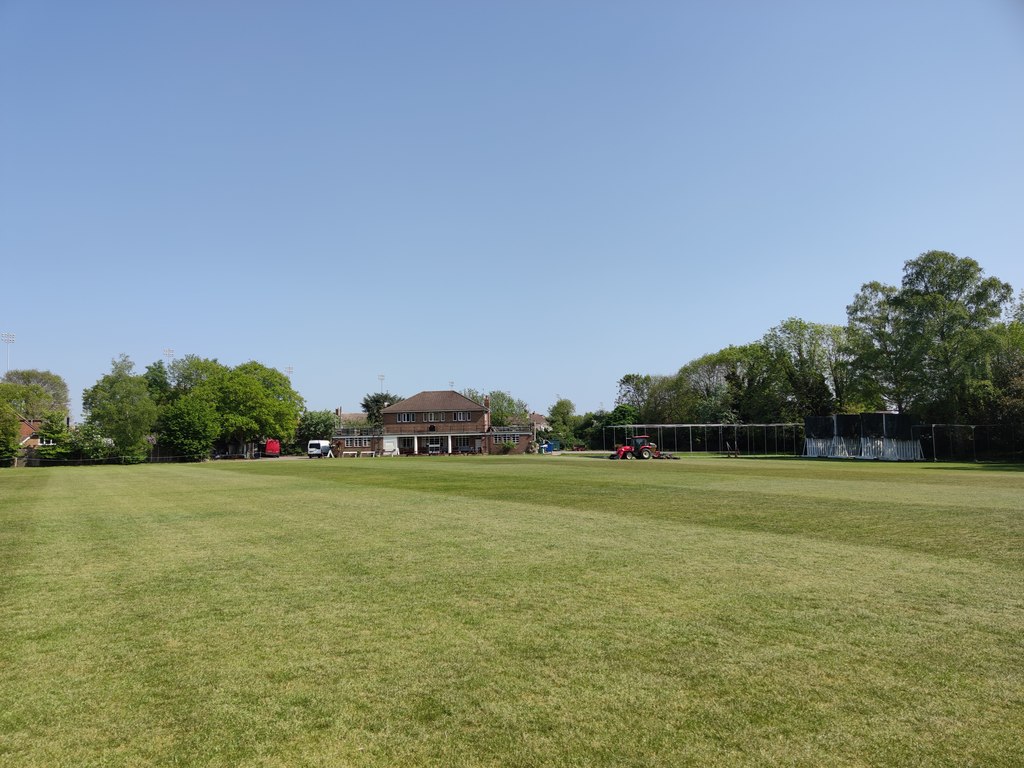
(639, 447)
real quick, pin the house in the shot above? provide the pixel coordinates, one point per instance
(28, 436)
(445, 422)
(539, 422)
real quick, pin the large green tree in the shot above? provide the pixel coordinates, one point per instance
(952, 306)
(29, 401)
(563, 421)
(634, 389)
(158, 381)
(757, 393)
(1007, 400)
(256, 402)
(797, 348)
(188, 426)
(48, 391)
(316, 425)
(707, 381)
(192, 372)
(887, 353)
(120, 407)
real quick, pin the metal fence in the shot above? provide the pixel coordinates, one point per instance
(971, 442)
(745, 439)
(939, 442)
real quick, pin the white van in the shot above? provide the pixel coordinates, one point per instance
(318, 449)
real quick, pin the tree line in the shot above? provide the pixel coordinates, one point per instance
(946, 346)
(187, 408)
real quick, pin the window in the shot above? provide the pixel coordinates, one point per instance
(433, 416)
(357, 442)
(463, 442)
(406, 417)
(461, 415)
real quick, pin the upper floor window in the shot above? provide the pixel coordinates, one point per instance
(462, 415)
(432, 416)
(406, 417)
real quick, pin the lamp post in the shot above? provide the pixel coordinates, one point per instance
(380, 378)
(8, 339)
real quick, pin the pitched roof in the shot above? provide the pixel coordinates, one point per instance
(434, 401)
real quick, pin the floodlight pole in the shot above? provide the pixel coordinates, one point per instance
(380, 378)
(8, 339)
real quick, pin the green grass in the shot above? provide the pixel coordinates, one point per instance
(525, 611)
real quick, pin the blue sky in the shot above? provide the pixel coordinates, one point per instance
(531, 196)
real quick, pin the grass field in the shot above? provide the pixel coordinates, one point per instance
(522, 611)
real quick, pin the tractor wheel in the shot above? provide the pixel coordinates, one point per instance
(628, 455)
(645, 453)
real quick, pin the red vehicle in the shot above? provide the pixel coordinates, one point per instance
(638, 447)
(272, 448)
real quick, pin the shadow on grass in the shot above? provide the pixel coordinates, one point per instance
(974, 466)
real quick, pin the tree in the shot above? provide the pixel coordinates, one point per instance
(374, 403)
(1008, 374)
(952, 307)
(797, 348)
(757, 391)
(706, 379)
(29, 401)
(89, 444)
(563, 421)
(188, 426)
(10, 432)
(623, 413)
(54, 437)
(886, 352)
(120, 407)
(192, 372)
(839, 357)
(158, 381)
(54, 391)
(255, 402)
(315, 425)
(635, 391)
(505, 409)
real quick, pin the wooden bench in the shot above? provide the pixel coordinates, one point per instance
(371, 454)
(349, 454)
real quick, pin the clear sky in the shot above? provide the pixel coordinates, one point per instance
(537, 196)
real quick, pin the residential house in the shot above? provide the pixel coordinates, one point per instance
(29, 433)
(445, 422)
(539, 422)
